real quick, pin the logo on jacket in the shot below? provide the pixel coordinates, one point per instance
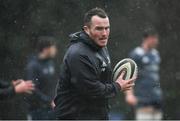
(104, 65)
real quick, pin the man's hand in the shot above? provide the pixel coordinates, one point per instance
(23, 86)
(131, 99)
(52, 104)
(125, 84)
(16, 82)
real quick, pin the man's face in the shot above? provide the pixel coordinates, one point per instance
(153, 41)
(98, 30)
(50, 52)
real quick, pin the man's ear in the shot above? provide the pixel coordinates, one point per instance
(86, 29)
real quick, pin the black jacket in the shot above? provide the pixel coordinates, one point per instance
(85, 81)
(6, 90)
(42, 73)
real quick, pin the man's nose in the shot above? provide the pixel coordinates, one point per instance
(104, 32)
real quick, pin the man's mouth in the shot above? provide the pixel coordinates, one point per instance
(103, 39)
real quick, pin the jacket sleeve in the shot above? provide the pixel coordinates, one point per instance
(85, 79)
(6, 91)
(32, 74)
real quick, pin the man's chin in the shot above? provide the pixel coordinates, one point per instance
(102, 44)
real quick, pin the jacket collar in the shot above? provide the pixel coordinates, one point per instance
(84, 38)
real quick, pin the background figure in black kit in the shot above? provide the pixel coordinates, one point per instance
(41, 70)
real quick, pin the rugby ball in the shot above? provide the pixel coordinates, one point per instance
(128, 65)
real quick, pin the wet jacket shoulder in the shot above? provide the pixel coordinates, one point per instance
(90, 68)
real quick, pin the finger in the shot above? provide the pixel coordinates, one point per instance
(29, 82)
(31, 85)
(134, 78)
(130, 85)
(30, 88)
(129, 81)
(127, 89)
(15, 82)
(122, 75)
(18, 81)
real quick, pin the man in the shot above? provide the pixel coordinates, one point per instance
(18, 86)
(41, 70)
(147, 95)
(85, 78)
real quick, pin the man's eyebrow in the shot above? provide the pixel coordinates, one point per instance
(99, 27)
(102, 26)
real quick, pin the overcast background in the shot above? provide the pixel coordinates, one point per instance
(21, 21)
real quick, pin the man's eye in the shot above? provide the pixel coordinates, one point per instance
(102, 28)
(106, 28)
(99, 28)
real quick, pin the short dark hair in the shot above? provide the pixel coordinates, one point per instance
(94, 12)
(150, 32)
(45, 42)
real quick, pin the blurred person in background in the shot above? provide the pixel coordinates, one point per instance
(41, 69)
(147, 94)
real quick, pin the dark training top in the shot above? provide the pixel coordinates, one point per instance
(147, 87)
(42, 73)
(85, 81)
(6, 90)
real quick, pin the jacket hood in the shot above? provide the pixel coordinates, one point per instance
(81, 36)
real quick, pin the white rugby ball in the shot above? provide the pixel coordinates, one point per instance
(128, 65)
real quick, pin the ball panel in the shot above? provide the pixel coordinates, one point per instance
(124, 67)
(118, 73)
(133, 67)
